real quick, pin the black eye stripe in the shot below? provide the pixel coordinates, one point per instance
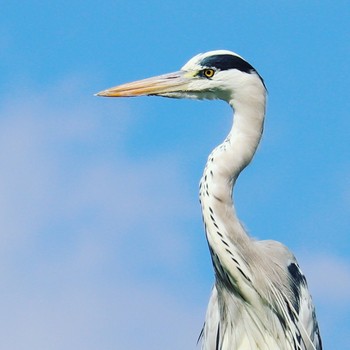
(226, 61)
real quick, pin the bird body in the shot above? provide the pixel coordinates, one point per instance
(260, 299)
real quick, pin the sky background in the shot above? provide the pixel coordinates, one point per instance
(101, 239)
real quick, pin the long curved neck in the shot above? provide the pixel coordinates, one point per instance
(223, 229)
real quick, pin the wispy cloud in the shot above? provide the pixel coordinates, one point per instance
(329, 278)
(78, 229)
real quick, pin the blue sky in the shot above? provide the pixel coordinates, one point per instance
(102, 244)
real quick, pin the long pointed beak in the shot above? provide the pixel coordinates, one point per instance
(159, 85)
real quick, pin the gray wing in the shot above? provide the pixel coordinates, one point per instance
(291, 298)
(304, 308)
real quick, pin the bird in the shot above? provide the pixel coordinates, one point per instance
(260, 298)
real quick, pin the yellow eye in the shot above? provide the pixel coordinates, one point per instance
(208, 73)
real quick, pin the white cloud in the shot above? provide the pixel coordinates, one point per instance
(78, 229)
(328, 277)
(94, 315)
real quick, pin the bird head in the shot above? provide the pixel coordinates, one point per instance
(219, 74)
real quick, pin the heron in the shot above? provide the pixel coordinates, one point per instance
(260, 298)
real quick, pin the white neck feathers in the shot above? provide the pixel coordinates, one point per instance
(222, 169)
